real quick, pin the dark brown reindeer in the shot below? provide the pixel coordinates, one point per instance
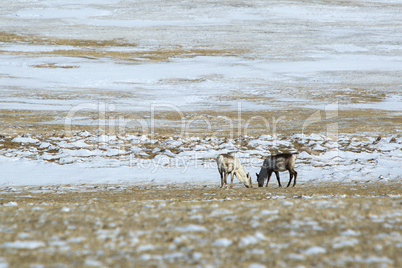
(276, 163)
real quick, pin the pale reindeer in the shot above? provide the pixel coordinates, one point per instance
(228, 164)
(276, 163)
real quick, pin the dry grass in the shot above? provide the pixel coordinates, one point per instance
(171, 225)
(6, 37)
(94, 49)
(218, 122)
(53, 65)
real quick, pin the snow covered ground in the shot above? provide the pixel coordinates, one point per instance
(95, 159)
(292, 59)
(259, 49)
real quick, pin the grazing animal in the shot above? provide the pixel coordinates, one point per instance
(276, 163)
(228, 164)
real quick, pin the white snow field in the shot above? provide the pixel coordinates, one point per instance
(81, 159)
(91, 63)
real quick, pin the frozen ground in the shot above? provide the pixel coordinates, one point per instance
(117, 90)
(201, 56)
(87, 158)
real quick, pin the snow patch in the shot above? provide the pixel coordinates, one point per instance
(24, 244)
(191, 228)
(314, 250)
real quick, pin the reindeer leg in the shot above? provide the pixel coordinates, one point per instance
(277, 177)
(225, 181)
(290, 178)
(231, 184)
(221, 173)
(294, 182)
(269, 177)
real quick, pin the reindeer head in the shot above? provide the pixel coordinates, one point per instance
(248, 182)
(259, 180)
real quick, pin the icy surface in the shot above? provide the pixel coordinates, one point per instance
(128, 159)
(262, 51)
(283, 44)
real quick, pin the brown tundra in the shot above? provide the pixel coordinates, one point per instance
(228, 164)
(276, 163)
